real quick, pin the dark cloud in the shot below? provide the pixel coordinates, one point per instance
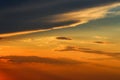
(99, 42)
(102, 42)
(112, 54)
(34, 14)
(88, 50)
(63, 38)
(35, 59)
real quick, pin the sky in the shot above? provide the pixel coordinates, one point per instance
(59, 40)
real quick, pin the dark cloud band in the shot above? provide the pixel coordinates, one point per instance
(35, 59)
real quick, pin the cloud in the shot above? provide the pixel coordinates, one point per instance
(102, 42)
(111, 54)
(82, 16)
(32, 16)
(35, 59)
(67, 48)
(53, 72)
(115, 13)
(63, 38)
(92, 51)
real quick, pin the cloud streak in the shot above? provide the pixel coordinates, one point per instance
(83, 16)
(92, 51)
(102, 42)
(35, 59)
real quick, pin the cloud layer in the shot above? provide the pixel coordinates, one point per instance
(13, 70)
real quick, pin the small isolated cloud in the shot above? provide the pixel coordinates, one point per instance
(102, 42)
(35, 59)
(63, 38)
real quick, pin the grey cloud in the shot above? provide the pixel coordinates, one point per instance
(26, 15)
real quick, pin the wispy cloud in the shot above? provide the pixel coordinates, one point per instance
(89, 50)
(82, 16)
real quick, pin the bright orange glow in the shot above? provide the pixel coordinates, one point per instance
(4, 77)
(80, 44)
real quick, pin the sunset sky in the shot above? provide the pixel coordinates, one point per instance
(60, 40)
